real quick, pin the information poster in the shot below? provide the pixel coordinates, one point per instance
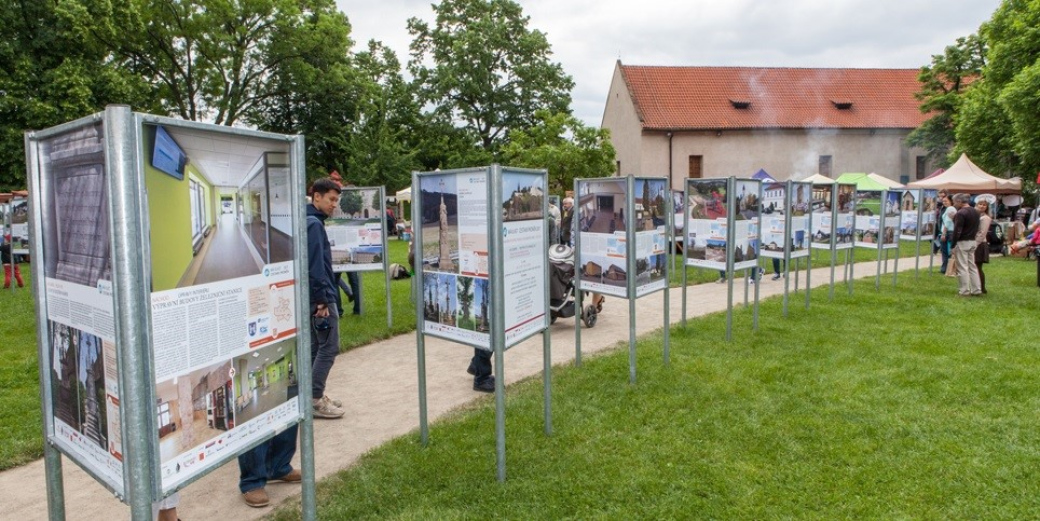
(775, 214)
(355, 230)
(845, 216)
(224, 321)
(651, 235)
(83, 372)
(454, 218)
(910, 205)
(603, 255)
(524, 257)
(929, 205)
(868, 218)
(708, 220)
(19, 209)
(893, 218)
(746, 219)
(823, 220)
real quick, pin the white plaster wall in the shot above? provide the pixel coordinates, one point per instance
(619, 116)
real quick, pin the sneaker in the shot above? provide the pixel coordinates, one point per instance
(722, 280)
(472, 369)
(488, 386)
(750, 280)
(776, 276)
(324, 409)
(333, 401)
(256, 498)
(293, 476)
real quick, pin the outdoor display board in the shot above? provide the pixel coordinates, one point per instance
(868, 218)
(910, 207)
(650, 218)
(929, 204)
(786, 222)
(708, 219)
(357, 230)
(844, 215)
(19, 221)
(453, 209)
(892, 219)
(209, 308)
(823, 216)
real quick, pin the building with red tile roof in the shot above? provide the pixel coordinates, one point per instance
(684, 122)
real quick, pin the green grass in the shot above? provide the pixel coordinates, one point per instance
(904, 403)
(359, 330)
(20, 426)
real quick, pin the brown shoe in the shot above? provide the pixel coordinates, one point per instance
(293, 476)
(256, 498)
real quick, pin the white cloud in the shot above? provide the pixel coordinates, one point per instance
(588, 36)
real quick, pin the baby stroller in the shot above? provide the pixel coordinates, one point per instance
(561, 287)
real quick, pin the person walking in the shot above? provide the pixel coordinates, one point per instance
(325, 194)
(965, 228)
(982, 241)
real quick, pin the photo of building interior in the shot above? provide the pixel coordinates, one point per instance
(218, 205)
(193, 408)
(262, 379)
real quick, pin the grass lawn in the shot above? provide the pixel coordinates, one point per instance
(907, 402)
(21, 440)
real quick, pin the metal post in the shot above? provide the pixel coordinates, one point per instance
(669, 232)
(420, 317)
(498, 302)
(298, 176)
(787, 244)
(51, 456)
(546, 348)
(130, 293)
(686, 246)
(731, 199)
(630, 280)
(880, 241)
(834, 235)
(754, 313)
(579, 300)
(386, 261)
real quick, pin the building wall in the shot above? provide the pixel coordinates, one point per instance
(784, 154)
(621, 119)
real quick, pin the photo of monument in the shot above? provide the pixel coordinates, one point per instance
(78, 394)
(439, 221)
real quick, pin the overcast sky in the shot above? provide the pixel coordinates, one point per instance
(589, 36)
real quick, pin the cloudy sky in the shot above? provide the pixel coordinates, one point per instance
(589, 36)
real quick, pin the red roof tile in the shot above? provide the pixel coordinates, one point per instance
(684, 98)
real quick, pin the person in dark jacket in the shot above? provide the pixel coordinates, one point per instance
(324, 293)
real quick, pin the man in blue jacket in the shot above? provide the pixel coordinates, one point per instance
(325, 195)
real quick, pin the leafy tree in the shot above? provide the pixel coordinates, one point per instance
(480, 66)
(51, 72)
(351, 202)
(944, 83)
(586, 153)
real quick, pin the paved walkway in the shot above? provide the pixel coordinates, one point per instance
(378, 385)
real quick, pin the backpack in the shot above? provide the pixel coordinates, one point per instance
(398, 272)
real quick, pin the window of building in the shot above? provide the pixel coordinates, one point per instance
(696, 167)
(825, 166)
(619, 168)
(922, 167)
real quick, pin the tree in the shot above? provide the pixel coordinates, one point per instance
(944, 83)
(51, 72)
(999, 122)
(217, 60)
(481, 67)
(586, 153)
(351, 202)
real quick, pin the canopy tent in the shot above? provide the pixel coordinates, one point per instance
(404, 194)
(763, 176)
(965, 176)
(818, 179)
(869, 181)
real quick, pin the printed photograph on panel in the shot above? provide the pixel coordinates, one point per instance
(262, 380)
(355, 229)
(440, 228)
(77, 238)
(610, 271)
(219, 205)
(440, 294)
(78, 382)
(601, 206)
(707, 199)
(194, 408)
(650, 204)
(522, 196)
(748, 205)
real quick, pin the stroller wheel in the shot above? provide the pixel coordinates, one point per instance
(552, 318)
(590, 315)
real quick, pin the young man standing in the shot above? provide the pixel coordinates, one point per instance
(324, 291)
(965, 227)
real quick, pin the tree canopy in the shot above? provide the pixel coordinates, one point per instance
(587, 151)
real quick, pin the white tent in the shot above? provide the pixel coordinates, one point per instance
(965, 176)
(404, 194)
(818, 179)
(885, 181)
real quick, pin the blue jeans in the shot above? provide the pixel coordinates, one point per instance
(271, 459)
(324, 348)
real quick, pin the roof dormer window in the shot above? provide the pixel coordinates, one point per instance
(739, 103)
(841, 104)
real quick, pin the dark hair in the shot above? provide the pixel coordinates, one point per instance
(324, 186)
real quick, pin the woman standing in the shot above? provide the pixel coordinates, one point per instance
(982, 248)
(947, 236)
